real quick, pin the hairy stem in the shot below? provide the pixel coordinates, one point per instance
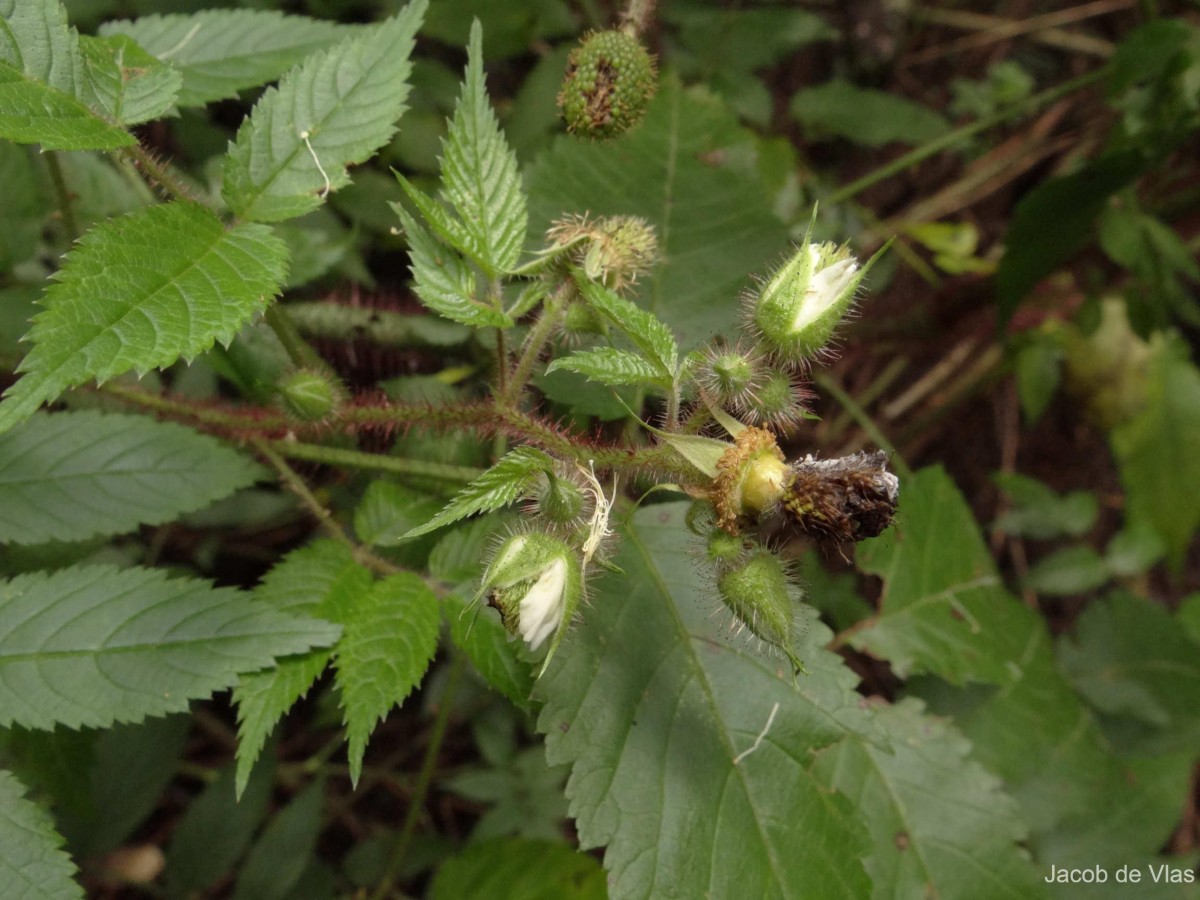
(63, 195)
(157, 172)
(356, 459)
(535, 342)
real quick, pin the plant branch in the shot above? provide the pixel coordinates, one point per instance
(157, 172)
(535, 342)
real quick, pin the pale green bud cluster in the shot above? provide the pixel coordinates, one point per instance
(802, 304)
(535, 581)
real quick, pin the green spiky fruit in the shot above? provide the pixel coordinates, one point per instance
(307, 395)
(609, 82)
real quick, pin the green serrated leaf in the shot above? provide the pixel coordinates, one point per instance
(44, 89)
(334, 110)
(390, 638)
(1130, 658)
(71, 476)
(443, 280)
(36, 40)
(660, 717)
(93, 645)
(930, 809)
(220, 52)
(33, 865)
(645, 329)
(610, 366)
(502, 484)
(128, 84)
(944, 608)
(32, 113)
(322, 580)
(480, 178)
(141, 291)
(519, 869)
(678, 171)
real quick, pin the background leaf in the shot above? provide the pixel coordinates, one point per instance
(141, 291)
(70, 476)
(346, 100)
(930, 810)
(93, 645)
(517, 869)
(1159, 450)
(868, 117)
(390, 638)
(678, 171)
(32, 863)
(651, 707)
(944, 609)
(220, 52)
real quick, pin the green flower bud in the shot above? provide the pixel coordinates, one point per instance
(758, 594)
(777, 402)
(615, 250)
(307, 395)
(800, 307)
(608, 85)
(724, 549)
(731, 376)
(535, 581)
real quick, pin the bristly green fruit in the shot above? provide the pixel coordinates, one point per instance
(758, 594)
(609, 82)
(307, 395)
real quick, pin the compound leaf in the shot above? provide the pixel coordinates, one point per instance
(944, 609)
(336, 109)
(321, 579)
(128, 84)
(390, 638)
(93, 645)
(70, 476)
(140, 291)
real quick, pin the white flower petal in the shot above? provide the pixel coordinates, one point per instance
(542, 607)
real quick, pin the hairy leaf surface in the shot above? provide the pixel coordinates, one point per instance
(335, 110)
(141, 291)
(70, 476)
(93, 645)
(659, 717)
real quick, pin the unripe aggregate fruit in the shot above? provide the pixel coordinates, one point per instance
(609, 82)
